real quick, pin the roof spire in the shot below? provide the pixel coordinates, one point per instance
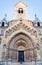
(4, 19)
(35, 16)
(5, 16)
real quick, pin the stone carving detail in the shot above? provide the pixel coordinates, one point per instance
(19, 27)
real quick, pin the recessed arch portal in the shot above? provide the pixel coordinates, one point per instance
(20, 35)
(19, 42)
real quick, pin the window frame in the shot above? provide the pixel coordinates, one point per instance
(20, 11)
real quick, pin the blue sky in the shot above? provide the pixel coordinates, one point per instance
(34, 6)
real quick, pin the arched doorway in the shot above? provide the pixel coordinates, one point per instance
(21, 53)
(20, 44)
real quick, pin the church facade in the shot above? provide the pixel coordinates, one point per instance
(21, 38)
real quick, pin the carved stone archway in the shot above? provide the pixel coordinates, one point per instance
(20, 40)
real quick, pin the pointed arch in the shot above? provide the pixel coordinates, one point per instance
(23, 33)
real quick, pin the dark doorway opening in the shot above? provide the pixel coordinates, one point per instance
(21, 56)
(38, 23)
(2, 24)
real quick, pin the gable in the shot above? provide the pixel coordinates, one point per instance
(20, 4)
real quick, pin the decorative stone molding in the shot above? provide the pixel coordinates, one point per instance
(19, 27)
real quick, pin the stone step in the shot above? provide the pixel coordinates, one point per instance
(22, 63)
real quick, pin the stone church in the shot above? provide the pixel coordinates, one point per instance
(21, 38)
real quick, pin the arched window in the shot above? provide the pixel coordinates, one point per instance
(2, 24)
(38, 23)
(20, 10)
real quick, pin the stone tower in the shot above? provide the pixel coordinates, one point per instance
(20, 11)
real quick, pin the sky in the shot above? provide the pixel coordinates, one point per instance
(34, 7)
